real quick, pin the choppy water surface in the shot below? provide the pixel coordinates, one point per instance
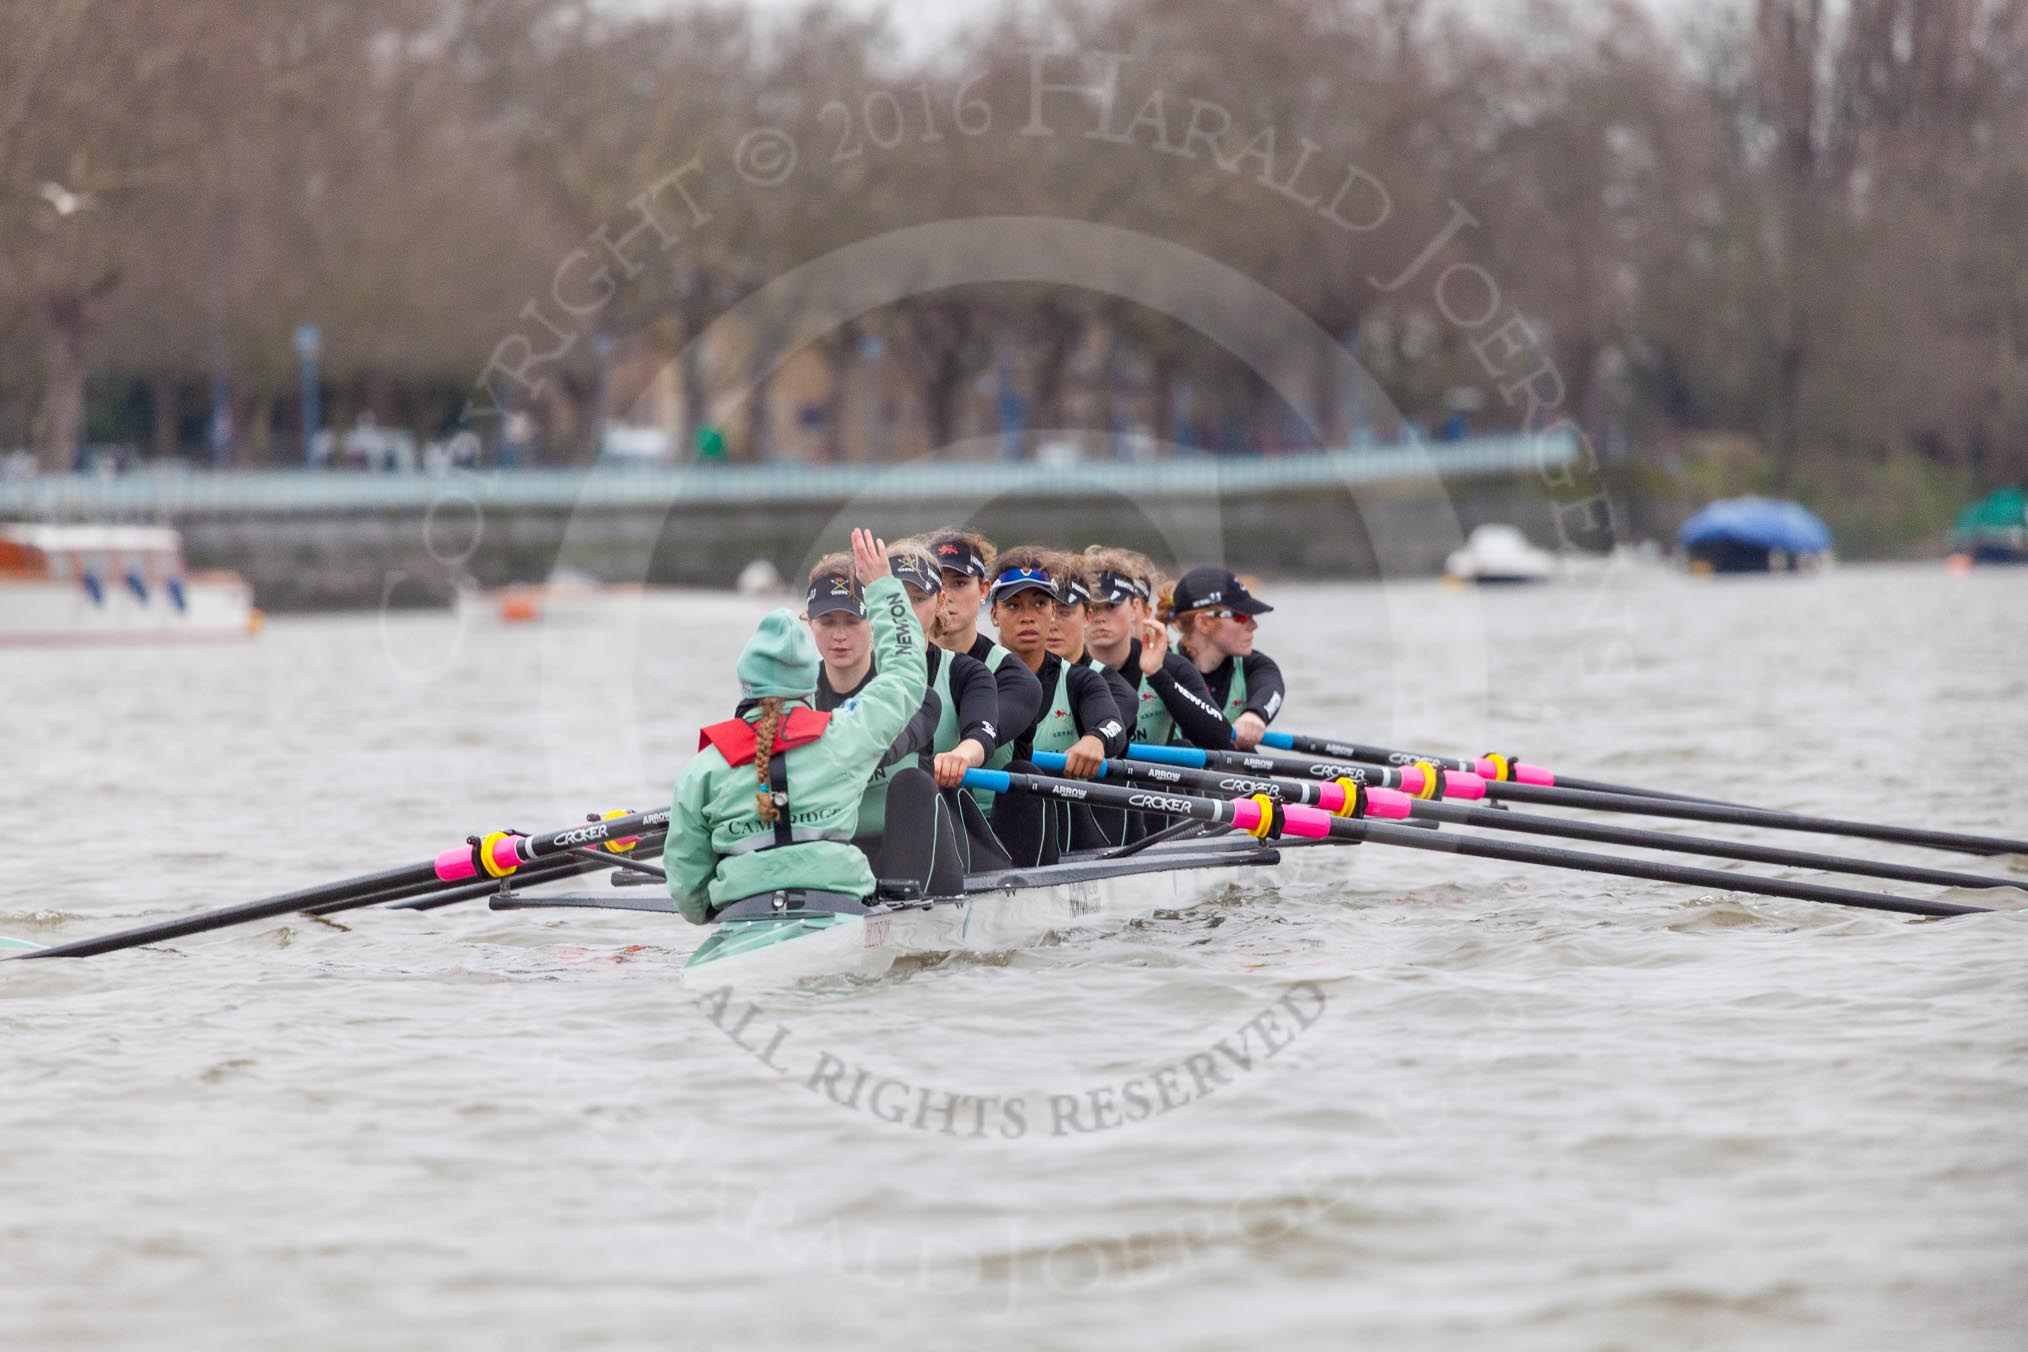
(1447, 1104)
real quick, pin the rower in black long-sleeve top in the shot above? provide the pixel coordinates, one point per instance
(1080, 718)
(1018, 694)
(1215, 613)
(973, 707)
(967, 732)
(1173, 705)
(1068, 635)
(1248, 683)
(1170, 702)
(1081, 704)
(962, 558)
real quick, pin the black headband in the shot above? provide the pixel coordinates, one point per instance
(834, 591)
(956, 555)
(906, 567)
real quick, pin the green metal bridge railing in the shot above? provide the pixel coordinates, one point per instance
(181, 492)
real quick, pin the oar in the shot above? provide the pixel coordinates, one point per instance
(1925, 837)
(430, 890)
(1407, 778)
(1266, 818)
(1332, 796)
(1464, 784)
(1490, 766)
(431, 895)
(495, 856)
(577, 862)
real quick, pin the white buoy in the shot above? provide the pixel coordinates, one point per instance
(759, 578)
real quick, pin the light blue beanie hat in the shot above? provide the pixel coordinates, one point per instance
(780, 658)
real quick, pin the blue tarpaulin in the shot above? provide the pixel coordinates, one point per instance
(1757, 523)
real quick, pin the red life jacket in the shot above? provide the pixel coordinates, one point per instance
(735, 738)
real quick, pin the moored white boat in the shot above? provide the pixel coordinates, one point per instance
(113, 584)
(1496, 553)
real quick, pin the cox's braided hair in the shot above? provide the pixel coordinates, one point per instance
(764, 753)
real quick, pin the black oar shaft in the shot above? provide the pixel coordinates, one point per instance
(577, 862)
(1479, 847)
(1303, 791)
(430, 895)
(377, 898)
(1957, 842)
(1310, 792)
(1530, 824)
(488, 886)
(246, 912)
(360, 891)
(1381, 755)
(1360, 829)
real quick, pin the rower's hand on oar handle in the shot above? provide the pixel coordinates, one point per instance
(950, 766)
(1084, 758)
(869, 556)
(1154, 646)
(1247, 730)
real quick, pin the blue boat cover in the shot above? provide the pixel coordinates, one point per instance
(1762, 523)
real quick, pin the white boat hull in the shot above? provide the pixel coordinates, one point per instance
(1002, 919)
(35, 612)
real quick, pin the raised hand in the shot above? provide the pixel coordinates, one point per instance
(1154, 646)
(869, 556)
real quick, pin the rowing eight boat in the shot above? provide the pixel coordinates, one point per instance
(761, 943)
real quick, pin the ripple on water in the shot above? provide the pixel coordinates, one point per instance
(1536, 1111)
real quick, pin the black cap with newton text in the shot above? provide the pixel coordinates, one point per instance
(1205, 588)
(834, 591)
(955, 554)
(1112, 589)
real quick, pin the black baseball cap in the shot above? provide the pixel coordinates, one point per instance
(905, 567)
(834, 591)
(1071, 592)
(1024, 579)
(1203, 588)
(1110, 588)
(955, 554)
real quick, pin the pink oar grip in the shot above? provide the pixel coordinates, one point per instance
(1246, 814)
(1463, 784)
(1312, 822)
(1387, 803)
(1520, 772)
(1330, 797)
(455, 865)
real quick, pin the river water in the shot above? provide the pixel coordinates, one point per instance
(1450, 1104)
